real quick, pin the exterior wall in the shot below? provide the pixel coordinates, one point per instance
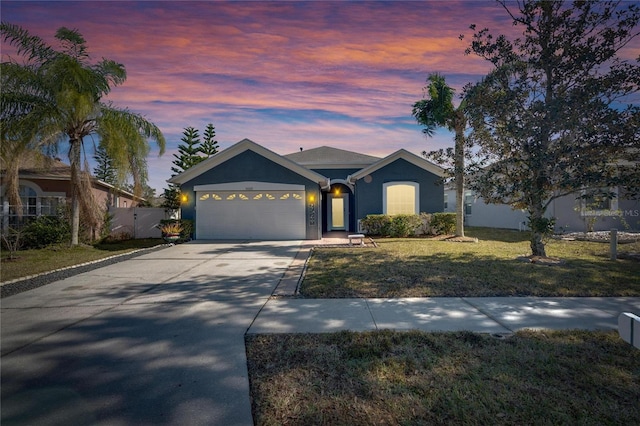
(336, 173)
(369, 194)
(250, 166)
(49, 185)
(566, 210)
(570, 217)
(488, 215)
(102, 194)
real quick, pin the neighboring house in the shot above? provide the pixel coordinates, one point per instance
(249, 192)
(572, 214)
(45, 185)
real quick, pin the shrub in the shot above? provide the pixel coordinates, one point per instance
(45, 231)
(182, 226)
(404, 225)
(171, 228)
(376, 224)
(443, 223)
(426, 224)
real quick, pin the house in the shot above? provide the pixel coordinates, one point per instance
(572, 213)
(45, 185)
(249, 192)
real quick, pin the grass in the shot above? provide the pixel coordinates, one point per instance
(31, 262)
(385, 377)
(430, 268)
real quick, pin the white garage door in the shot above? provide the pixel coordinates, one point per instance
(267, 214)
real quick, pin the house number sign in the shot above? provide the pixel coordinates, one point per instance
(312, 213)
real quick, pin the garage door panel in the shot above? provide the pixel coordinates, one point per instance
(273, 215)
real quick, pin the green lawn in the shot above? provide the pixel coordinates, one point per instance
(429, 268)
(31, 262)
(462, 378)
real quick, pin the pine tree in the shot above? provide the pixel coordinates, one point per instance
(187, 157)
(189, 151)
(209, 146)
(104, 170)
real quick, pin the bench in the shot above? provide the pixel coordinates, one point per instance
(359, 237)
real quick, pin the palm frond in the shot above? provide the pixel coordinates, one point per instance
(33, 47)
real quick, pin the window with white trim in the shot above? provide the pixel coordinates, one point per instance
(468, 203)
(401, 198)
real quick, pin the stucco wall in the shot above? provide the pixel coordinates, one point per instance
(369, 194)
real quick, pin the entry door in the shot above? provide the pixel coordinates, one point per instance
(338, 212)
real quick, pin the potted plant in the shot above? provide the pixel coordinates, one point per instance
(171, 231)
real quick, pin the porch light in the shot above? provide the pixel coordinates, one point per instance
(312, 198)
(183, 198)
(337, 191)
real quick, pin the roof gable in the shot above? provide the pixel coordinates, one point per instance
(400, 154)
(326, 157)
(239, 148)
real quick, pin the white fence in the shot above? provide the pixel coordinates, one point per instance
(138, 222)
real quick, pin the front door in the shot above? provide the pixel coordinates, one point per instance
(338, 212)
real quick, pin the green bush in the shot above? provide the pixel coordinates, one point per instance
(443, 223)
(377, 224)
(45, 231)
(404, 225)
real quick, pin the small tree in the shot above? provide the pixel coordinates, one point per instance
(550, 119)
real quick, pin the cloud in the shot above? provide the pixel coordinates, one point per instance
(285, 74)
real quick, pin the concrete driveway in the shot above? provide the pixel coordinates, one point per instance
(158, 339)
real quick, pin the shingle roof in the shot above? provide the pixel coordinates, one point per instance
(37, 164)
(325, 156)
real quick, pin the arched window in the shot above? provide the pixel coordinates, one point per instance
(401, 198)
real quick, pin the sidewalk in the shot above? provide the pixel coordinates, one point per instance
(497, 315)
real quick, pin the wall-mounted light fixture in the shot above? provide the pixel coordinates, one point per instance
(183, 198)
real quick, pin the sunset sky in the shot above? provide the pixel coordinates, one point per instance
(283, 74)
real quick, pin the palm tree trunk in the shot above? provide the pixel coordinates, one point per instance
(74, 161)
(12, 184)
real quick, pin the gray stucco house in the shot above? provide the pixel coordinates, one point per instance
(249, 192)
(572, 213)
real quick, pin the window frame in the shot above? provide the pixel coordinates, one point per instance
(416, 199)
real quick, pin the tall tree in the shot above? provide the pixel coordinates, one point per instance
(188, 156)
(437, 110)
(209, 145)
(188, 152)
(104, 169)
(550, 119)
(68, 89)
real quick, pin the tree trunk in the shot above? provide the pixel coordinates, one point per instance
(539, 227)
(459, 179)
(537, 245)
(74, 161)
(12, 185)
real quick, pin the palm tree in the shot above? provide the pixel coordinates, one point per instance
(68, 90)
(438, 111)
